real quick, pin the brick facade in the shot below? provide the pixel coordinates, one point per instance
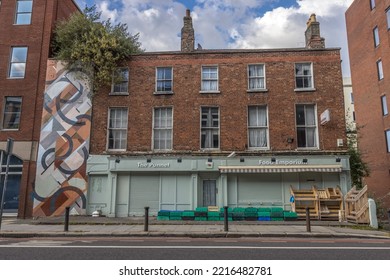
(233, 99)
(36, 37)
(368, 89)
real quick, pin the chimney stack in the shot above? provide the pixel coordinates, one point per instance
(312, 34)
(187, 34)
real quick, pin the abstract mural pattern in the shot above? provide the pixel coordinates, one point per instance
(61, 179)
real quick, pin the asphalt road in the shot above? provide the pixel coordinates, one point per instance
(193, 249)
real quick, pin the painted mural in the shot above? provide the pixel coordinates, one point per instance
(61, 179)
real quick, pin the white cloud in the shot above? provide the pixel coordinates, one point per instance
(222, 24)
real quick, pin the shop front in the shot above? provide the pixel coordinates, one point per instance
(123, 186)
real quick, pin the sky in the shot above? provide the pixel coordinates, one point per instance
(229, 24)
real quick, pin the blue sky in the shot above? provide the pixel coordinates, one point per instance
(224, 24)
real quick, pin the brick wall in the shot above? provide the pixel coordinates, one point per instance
(367, 89)
(233, 99)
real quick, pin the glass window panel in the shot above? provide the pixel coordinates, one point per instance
(376, 36)
(210, 128)
(388, 18)
(372, 4)
(380, 69)
(306, 126)
(162, 128)
(19, 54)
(23, 11)
(388, 140)
(118, 128)
(303, 75)
(12, 111)
(385, 110)
(23, 19)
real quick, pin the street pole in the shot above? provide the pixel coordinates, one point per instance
(10, 144)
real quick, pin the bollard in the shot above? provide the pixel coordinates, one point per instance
(308, 229)
(225, 219)
(146, 224)
(66, 225)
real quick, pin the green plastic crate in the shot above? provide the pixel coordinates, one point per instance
(162, 218)
(212, 214)
(264, 209)
(174, 218)
(251, 210)
(264, 214)
(223, 209)
(213, 218)
(276, 219)
(276, 209)
(201, 209)
(175, 214)
(188, 214)
(200, 218)
(223, 218)
(238, 210)
(163, 213)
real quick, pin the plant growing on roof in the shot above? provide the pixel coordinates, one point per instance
(96, 47)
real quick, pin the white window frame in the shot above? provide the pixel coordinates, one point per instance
(385, 110)
(121, 81)
(303, 76)
(157, 91)
(204, 90)
(379, 67)
(17, 13)
(162, 128)
(4, 113)
(375, 32)
(117, 129)
(266, 127)
(263, 77)
(315, 126)
(12, 62)
(210, 128)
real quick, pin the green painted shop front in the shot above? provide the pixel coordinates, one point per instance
(123, 186)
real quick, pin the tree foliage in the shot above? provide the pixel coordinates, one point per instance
(95, 46)
(359, 168)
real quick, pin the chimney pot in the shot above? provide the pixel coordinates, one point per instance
(188, 13)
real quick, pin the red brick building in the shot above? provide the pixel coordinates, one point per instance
(25, 35)
(368, 23)
(203, 127)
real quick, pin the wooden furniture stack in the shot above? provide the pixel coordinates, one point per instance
(356, 206)
(324, 204)
(303, 199)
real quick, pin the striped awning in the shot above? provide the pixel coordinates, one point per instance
(280, 169)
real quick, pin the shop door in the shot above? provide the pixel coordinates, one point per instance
(209, 193)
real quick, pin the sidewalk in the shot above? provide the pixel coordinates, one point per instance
(85, 226)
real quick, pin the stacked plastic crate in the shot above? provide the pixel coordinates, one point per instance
(250, 214)
(163, 215)
(201, 214)
(264, 214)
